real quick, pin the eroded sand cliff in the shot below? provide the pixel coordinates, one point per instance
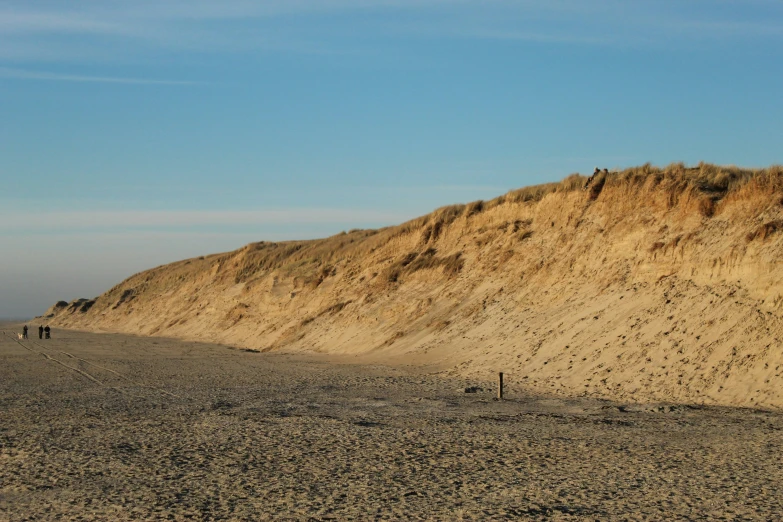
(653, 284)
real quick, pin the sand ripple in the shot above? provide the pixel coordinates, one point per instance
(142, 429)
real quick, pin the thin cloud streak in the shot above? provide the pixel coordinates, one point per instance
(145, 26)
(26, 22)
(69, 220)
(100, 16)
(226, 240)
(729, 28)
(463, 31)
(21, 74)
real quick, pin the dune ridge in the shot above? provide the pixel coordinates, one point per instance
(653, 284)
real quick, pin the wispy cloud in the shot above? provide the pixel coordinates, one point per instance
(126, 18)
(488, 31)
(144, 31)
(27, 20)
(15, 221)
(145, 26)
(729, 28)
(21, 74)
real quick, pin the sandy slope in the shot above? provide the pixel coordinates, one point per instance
(115, 427)
(652, 285)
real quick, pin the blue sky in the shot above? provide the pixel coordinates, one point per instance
(137, 133)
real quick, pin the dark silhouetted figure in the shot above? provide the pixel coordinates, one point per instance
(40, 332)
(596, 172)
(589, 181)
(24, 332)
(48, 332)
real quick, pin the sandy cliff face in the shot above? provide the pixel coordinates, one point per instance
(650, 285)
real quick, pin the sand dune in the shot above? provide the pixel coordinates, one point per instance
(654, 284)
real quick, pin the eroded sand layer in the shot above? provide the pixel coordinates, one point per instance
(111, 427)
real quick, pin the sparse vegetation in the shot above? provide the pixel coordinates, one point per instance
(531, 194)
(764, 231)
(427, 260)
(474, 208)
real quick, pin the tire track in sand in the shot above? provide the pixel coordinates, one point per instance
(118, 374)
(82, 372)
(50, 358)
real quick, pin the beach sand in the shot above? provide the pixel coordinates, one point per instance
(116, 427)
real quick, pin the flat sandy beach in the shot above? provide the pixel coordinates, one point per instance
(115, 427)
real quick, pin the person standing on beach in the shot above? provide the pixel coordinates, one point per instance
(48, 332)
(40, 332)
(24, 332)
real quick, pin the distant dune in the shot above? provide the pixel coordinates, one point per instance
(651, 285)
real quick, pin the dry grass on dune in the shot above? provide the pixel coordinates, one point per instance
(707, 184)
(654, 283)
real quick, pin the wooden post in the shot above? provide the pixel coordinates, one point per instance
(500, 386)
